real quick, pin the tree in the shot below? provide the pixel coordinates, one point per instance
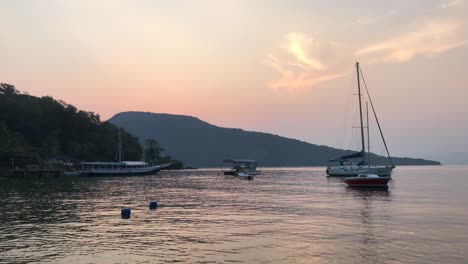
(8, 89)
(54, 128)
(152, 150)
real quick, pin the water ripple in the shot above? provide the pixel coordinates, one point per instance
(283, 216)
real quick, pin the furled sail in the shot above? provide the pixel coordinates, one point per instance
(355, 155)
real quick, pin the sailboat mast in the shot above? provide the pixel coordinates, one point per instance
(120, 146)
(368, 135)
(363, 150)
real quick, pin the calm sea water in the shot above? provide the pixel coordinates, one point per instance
(283, 216)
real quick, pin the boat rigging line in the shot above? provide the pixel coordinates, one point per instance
(375, 115)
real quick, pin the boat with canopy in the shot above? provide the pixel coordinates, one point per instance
(244, 168)
(121, 168)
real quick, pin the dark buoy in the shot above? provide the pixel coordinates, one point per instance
(126, 212)
(153, 205)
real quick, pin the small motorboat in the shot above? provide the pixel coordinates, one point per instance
(71, 173)
(245, 176)
(367, 180)
(242, 166)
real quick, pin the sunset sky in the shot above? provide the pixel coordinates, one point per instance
(282, 67)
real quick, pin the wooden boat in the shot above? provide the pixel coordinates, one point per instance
(121, 168)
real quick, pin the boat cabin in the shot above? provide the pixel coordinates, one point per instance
(242, 166)
(97, 165)
(368, 176)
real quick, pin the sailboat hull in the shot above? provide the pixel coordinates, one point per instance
(354, 170)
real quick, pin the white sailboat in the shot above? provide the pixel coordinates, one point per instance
(345, 166)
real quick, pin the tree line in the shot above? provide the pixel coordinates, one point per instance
(42, 129)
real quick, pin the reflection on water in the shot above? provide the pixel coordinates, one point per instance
(286, 216)
(369, 245)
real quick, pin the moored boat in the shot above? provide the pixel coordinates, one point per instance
(123, 168)
(242, 168)
(245, 176)
(353, 170)
(71, 173)
(367, 180)
(345, 166)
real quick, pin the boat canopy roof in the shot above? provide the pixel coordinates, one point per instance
(351, 156)
(239, 161)
(134, 163)
(128, 163)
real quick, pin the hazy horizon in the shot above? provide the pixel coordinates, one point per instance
(280, 67)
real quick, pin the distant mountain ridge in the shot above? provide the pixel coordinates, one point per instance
(200, 144)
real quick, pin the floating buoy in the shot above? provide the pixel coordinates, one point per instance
(153, 205)
(126, 212)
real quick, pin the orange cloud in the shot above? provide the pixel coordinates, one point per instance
(298, 43)
(303, 62)
(432, 38)
(451, 3)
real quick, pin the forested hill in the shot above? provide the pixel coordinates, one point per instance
(50, 128)
(201, 144)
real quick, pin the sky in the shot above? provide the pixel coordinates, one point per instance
(282, 67)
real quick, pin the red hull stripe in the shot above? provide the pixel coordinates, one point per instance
(367, 182)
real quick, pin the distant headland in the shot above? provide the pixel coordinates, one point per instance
(201, 144)
(44, 132)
